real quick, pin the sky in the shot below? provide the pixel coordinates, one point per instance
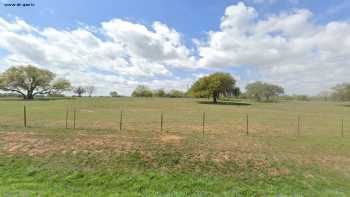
(302, 45)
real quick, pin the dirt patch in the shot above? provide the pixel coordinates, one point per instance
(86, 110)
(171, 138)
(28, 143)
(35, 144)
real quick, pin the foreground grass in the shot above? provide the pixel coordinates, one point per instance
(129, 175)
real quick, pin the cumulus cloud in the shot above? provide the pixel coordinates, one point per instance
(160, 45)
(126, 54)
(286, 48)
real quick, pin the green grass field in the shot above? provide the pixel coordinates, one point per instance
(97, 159)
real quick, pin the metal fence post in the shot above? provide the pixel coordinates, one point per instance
(247, 124)
(298, 129)
(121, 120)
(203, 123)
(161, 122)
(67, 115)
(25, 116)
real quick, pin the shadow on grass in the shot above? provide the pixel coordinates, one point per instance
(224, 103)
(37, 99)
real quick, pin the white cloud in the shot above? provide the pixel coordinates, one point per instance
(162, 45)
(129, 54)
(17, 26)
(288, 48)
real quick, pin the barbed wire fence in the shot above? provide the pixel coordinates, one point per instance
(245, 126)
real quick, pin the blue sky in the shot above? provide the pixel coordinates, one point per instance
(169, 44)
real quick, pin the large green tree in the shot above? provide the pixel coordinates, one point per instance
(30, 81)
(214, 85)
(263, 91)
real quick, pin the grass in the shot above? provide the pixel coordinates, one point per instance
(97, 159)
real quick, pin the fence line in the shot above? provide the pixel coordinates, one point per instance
(206, 125)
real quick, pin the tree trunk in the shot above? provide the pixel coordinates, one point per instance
(29, 95)
(215, 97)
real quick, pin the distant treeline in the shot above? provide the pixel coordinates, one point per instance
(144, 91)
(28, 81)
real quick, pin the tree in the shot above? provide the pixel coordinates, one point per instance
(160, 93)
(29, 81)
(341, 92)
(176, 94)
(79, 91)
(260, 90)
(142, 91)
(114, 94)
(236, 92)
(90, 90)
(213, 85)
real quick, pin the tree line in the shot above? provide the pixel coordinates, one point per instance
(144, 91)
(30, 81)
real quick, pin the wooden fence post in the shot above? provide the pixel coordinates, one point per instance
(161, 122)
(247, 124)
(121, 121)
(203, 123)
(74, 118)
(67, 114)
(25, 116)
(342, 127)
(298, 129)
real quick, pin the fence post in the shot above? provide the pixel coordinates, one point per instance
(121, 120)
(342, 127)
(161, 121)
(74, 118)
(67, 114)
(247, 124)
(203, 123)
(25, 116)
(298, 129)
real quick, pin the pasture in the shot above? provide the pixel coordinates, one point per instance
(141, 159)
